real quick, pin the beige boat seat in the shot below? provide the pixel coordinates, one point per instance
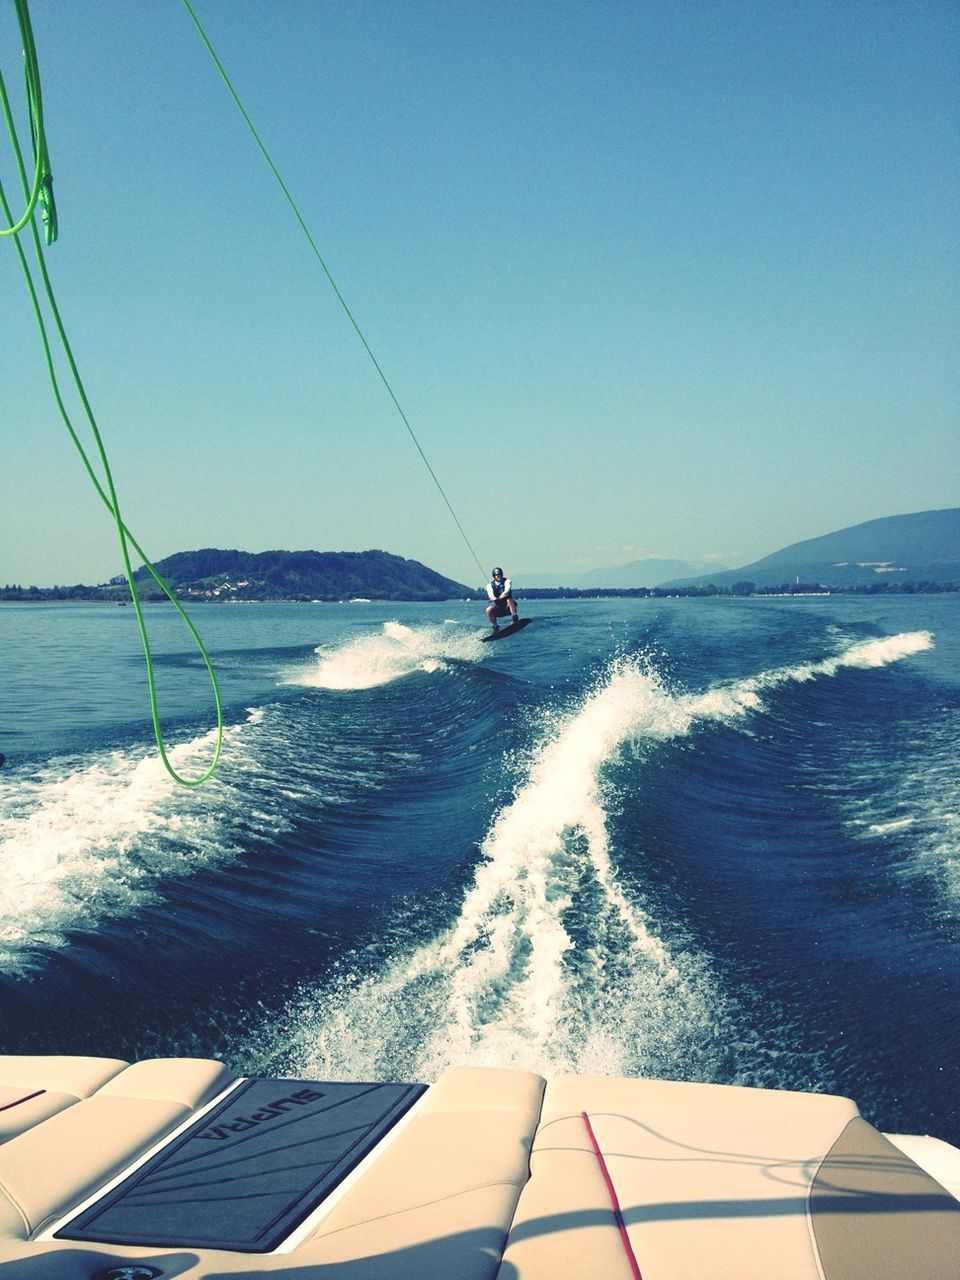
(435, 1204)
(439, 1200)
(79, 1077)
(189, 1081)
(719, 1180)
(87, 1137)
(33, 1088)
(22, 1108)
(493, 1175)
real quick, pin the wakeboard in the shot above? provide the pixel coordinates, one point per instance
(502, 632)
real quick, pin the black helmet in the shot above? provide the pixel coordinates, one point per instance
(496, 571)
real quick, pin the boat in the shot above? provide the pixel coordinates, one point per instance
(176, 1168)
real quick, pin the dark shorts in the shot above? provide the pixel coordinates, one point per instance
(500, 607)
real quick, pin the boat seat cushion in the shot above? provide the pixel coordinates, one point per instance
(874, 1212)
(21, 1108)
(711, 1180)
(50, 1168)
(479, 1089)
(79, 1076)
(445, 1189)
(190, 1081)
(436, 1203)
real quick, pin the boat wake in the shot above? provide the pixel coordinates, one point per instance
(554, 963)
(395, 651)
(915, 817)
(84, 842)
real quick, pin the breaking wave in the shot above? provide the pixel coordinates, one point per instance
(554, 963)
(83, 841)
(395, 651)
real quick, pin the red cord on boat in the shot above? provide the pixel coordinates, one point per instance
(615, 1203)
(27, 1097)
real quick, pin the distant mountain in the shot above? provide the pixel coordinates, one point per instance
(638, 573)
(212, 574)
(923, 547)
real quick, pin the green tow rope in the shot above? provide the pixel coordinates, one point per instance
(333, 284)
(40, 191)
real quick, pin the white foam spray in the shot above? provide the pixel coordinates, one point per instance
(80, 842)
(553, 962)
(916, 814)
(396, 650)
(743, 696)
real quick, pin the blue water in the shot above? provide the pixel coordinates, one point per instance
(702, 839)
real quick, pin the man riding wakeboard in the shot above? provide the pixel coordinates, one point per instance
(499, 591)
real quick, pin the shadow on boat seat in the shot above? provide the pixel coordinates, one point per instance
(66, 1262)
(70, 1124)
(492, 1175)
(437, 1200)
(727, 1181)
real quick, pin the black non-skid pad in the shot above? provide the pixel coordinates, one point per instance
(251, 1169)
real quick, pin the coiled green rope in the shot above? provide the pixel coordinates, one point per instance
(40, 191)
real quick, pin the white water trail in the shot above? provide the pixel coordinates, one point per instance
(743, 696)
(509, 984)
(553, 964)
(80, 842)
(395, 651)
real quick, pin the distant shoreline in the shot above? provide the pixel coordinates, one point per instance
(91, 595)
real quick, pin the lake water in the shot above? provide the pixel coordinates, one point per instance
(702, 839)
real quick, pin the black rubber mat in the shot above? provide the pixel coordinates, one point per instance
(250, 1170)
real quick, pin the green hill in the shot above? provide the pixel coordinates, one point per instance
(213, 574)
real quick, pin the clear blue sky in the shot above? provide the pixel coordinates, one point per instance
(649, 279)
